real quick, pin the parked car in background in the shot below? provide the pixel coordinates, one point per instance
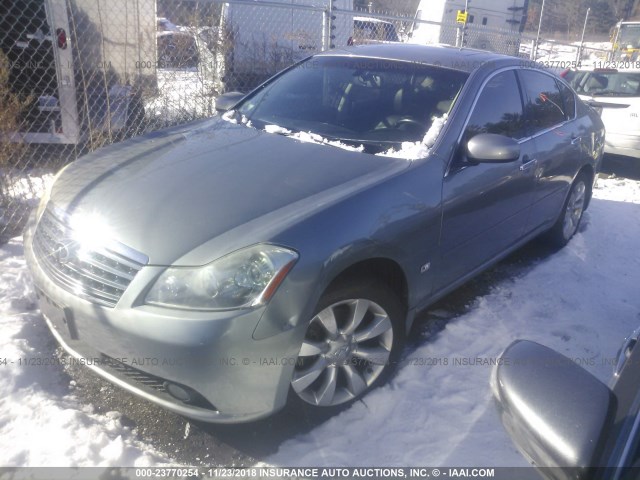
(367, 30)
(616, 94)
(282, 251)
(561, 416)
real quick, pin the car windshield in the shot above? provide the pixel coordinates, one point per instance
(607, 83)
(356, 100)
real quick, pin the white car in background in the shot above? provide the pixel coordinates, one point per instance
(616, 94)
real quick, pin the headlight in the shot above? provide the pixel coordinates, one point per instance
(245, 278)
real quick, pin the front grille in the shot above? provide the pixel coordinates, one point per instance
(99, 274)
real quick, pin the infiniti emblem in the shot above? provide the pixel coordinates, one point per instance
(62, 253)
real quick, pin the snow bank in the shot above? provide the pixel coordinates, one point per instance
(41, 422)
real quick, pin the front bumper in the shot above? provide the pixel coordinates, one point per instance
(213, 353)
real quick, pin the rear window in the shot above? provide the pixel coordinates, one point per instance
(607, 83)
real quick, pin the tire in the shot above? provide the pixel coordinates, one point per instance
(352, 344)
(571, 215)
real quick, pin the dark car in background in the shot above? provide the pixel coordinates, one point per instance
(282, 250)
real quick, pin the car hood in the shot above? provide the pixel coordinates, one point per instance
(166, 193)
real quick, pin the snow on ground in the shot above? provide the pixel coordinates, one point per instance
(554, 53)
(19, 192)
(41, 422)
(580, 301)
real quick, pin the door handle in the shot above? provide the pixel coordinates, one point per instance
(576, 140)
(528, 164)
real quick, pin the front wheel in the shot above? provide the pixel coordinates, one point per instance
(351, 345)
(567, 224)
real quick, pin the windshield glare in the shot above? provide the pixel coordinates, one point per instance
(357, 100)
(606, 83)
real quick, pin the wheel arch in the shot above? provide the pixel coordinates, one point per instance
(383, 269)
(590, 173)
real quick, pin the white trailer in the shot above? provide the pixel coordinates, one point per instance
(82, 65)
(258, 38)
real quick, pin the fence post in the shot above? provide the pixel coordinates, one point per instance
(534, 50)
(328, 27)
(586, 19)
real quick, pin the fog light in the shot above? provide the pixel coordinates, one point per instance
(178, 392)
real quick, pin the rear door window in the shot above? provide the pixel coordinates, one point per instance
(544, 105)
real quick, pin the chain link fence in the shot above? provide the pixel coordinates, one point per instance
(79, 74)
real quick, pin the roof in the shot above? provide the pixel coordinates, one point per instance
(464, 59)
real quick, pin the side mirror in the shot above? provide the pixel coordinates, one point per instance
(492, 148)
(556, 412)
(228, 100)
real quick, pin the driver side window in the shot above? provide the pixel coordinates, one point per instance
(498, 109)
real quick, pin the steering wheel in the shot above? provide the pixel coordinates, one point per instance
(410, 122)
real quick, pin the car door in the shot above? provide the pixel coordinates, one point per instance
(550, 121)
(485, 205)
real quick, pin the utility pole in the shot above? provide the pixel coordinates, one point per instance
(586, 19)
(464, 26)
(534, 52)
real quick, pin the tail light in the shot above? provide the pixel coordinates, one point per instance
(61, 35)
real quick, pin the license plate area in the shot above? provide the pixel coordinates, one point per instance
(60, 317)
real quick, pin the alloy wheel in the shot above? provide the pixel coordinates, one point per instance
(575, 207)
(346, 348)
